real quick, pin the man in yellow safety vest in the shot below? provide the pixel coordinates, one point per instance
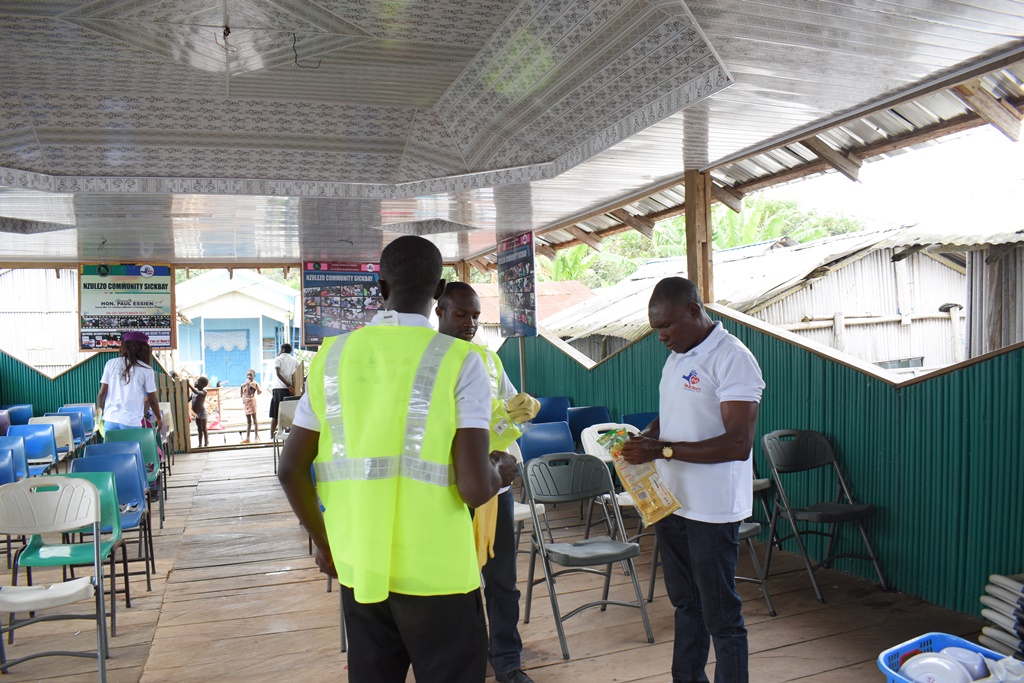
(458, 315)
(395, 423)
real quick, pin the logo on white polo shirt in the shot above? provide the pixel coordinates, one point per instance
(691, 381)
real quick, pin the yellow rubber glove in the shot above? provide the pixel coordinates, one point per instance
(485, 525)
(522, 407)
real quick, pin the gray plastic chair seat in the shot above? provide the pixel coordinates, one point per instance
(591, 551)
(831, 513)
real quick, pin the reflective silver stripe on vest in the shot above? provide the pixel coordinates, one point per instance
(332, 397)
(410, 464)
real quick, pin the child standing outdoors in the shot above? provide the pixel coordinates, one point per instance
(249, 391)
(199, 407)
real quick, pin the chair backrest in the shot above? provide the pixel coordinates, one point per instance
(552, 409)
(20, 413)
(589, 437)
(567, 477)
(585, 416)
(39, 442)
(62, 434)
(7, 473)
(16, 445)
(77, 426)
(5, 422)
(797, 450)
(545, 438)
(286, 413)
(639, 420)
(130, 448)
(146, 438)
(128, 479)
(110, 514)
(48, 505)
(88, 416)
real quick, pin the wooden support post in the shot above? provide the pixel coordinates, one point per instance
(462, 270)
(728, 196)
(588, 238)
(698, 232)
(999, 113)
(847, 164)
(642, 224)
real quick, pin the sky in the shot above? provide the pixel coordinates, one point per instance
(957, 185)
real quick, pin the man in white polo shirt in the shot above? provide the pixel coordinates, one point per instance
(701, 443)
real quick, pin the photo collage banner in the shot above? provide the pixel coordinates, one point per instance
(517, 286)
(338, 298)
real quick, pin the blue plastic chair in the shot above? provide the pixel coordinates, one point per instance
(639, 420)
(16, 445)
(40, 446)
(542, 439)
(552, 409)
(88, 418)
(5, 422)
(77, 426)
(20, 413)
(7, 473)
(586, 416)
(147, 440)
(131, 496)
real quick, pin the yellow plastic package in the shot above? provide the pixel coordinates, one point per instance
(654, 501)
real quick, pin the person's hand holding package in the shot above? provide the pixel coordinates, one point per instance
(522, 407)
(641, 449)
(506, 465)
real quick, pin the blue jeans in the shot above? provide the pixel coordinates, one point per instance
(699, 562)
(501, 594)
(114, 426)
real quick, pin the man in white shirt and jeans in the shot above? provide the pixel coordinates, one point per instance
(701, 443)
(281, 383)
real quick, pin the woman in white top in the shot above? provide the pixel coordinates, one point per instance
(128, 385)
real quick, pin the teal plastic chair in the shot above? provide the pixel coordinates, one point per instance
(46, 505)
(68, 555)
(147, 439)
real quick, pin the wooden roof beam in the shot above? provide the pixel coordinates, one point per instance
(998, 113)
(588, 238)
(728, 196)
(481, 264)
(544, 250)
(642, 224)
(847, 164)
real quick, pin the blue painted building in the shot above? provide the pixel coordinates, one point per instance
(238, 321)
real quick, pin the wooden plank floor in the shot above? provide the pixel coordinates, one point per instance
(237, 598)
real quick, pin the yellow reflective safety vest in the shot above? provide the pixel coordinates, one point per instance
(385, 397)
(503, 429)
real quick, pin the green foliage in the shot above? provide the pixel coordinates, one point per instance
(475, 276)
(762, 219)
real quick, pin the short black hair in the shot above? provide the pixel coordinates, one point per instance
(451, 288)
(286, 348)
(411, 263)
(676, 291)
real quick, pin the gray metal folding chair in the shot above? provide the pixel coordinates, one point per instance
(790, 451)
(566, 478)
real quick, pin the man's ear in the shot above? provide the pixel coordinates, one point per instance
(439, 312)
(385, 289)
(440, 289)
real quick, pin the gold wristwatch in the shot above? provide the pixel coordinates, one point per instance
(666, 451)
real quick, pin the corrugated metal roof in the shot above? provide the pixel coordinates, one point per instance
(745, 278)
(552, 297)
(979, 237)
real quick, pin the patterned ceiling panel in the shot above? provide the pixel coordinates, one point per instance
(407, 92)
(324, 126)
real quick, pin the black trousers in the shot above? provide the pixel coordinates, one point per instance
(444, 637)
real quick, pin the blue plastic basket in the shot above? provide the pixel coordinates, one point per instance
(889, 661)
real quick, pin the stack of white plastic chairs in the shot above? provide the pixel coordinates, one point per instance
(1004, 608)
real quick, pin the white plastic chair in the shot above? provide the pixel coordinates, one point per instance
(62, 433)
(54, 504)
(521, 509)
(285, 417)
(588, 439)
(165, 438)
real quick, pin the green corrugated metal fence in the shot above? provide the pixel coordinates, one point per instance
(943, 459)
